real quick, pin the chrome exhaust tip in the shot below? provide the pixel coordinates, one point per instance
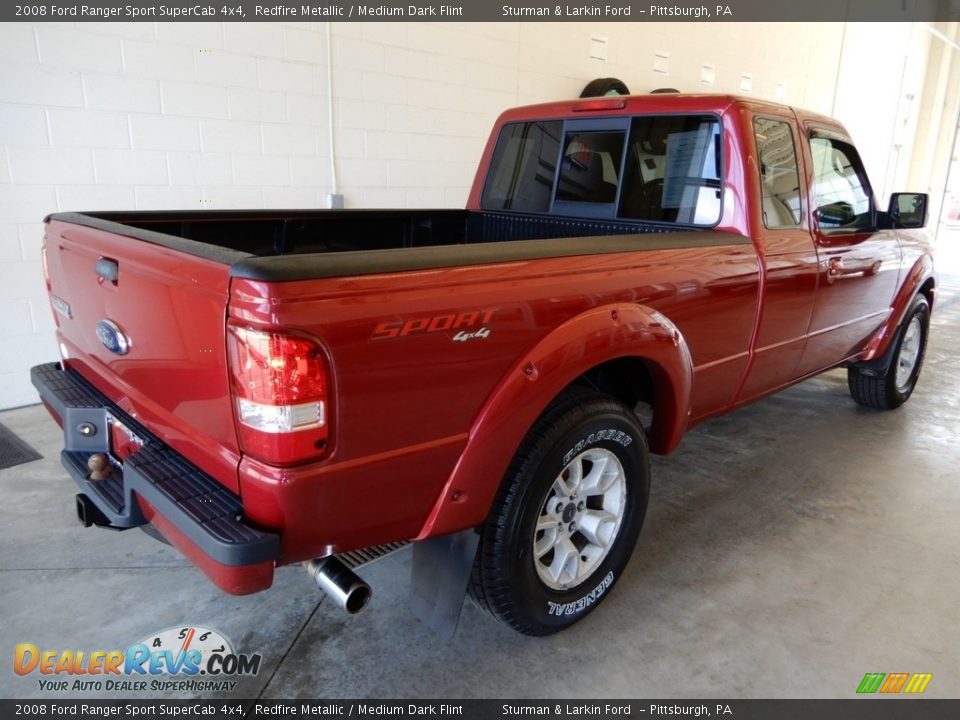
(338, 581)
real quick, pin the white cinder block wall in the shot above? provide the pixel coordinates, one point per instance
(98, 116)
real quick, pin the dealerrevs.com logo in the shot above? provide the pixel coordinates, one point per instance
(172, 660)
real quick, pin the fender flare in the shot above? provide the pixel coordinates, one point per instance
(581, 343)
(878, 346)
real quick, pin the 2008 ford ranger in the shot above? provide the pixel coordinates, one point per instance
(266, 387)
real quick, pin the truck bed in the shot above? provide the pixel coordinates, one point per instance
(304, 244)
(172, 284)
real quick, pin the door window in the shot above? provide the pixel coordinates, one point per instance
(840, 188)
(673, 170)
(779, 175)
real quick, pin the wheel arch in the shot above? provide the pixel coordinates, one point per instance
(634, 380)
(919, 280)
(928, 288)
(630, 351)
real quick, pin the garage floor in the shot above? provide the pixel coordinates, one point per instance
(790, 548)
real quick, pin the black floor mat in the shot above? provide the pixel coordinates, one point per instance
(13, 450)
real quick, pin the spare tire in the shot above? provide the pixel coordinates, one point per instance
(604, 86)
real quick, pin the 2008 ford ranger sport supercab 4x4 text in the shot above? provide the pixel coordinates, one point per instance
(265, 387)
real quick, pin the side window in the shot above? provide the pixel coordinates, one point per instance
(522, 168)
(841, 193)
(673, 170)
(590, 167)
(779, 175)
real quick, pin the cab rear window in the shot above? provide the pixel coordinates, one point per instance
(523, 167)
(590, 167)
(663, 169)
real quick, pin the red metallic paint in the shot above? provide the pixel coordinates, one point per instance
(172, 306)
(422, 427)
(331, 507)
(406, 407)
(604, 333)
(788, 266)
(853, 301)
(916, 270)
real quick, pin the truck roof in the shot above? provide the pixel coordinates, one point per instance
(650, 103)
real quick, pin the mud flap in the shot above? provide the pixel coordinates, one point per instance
(439, 578)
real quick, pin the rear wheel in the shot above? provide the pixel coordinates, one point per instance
(567, 517)
(890, 385)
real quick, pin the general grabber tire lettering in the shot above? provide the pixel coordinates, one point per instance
(889, 385)
(567, 516)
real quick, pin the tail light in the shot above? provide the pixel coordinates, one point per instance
(281, 392)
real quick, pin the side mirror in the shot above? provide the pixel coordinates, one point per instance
(908, 210)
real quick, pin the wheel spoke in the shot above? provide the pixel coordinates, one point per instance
(545, 542)
(597, 527)
(566, 561)
(598, 480)
(546, 522)
(567, 486)
(912, 334)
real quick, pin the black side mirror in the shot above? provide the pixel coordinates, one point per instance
(908, 210)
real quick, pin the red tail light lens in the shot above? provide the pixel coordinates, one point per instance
(281, 392)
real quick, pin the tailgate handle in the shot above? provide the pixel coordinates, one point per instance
(107, 269)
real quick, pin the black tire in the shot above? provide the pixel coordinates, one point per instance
(875, 385)
(506, 581)
(604, 86)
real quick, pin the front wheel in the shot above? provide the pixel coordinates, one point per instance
(567, 517)
(890, 385)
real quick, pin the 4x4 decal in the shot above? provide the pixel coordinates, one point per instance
(467, 325)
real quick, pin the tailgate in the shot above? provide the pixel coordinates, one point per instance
(145, 324)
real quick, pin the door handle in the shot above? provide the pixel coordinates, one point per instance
(835, 266)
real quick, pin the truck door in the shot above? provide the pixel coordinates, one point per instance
(789, 256)
(858, 264)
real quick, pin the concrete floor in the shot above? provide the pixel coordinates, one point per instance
(790, 548)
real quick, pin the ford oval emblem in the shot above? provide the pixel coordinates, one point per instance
(112, 337)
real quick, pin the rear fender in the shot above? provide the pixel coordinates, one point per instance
(578, 345)
(880, 343)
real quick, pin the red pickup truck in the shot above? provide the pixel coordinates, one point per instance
(270, 387)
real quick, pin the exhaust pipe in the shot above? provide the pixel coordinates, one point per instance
(340, 583)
